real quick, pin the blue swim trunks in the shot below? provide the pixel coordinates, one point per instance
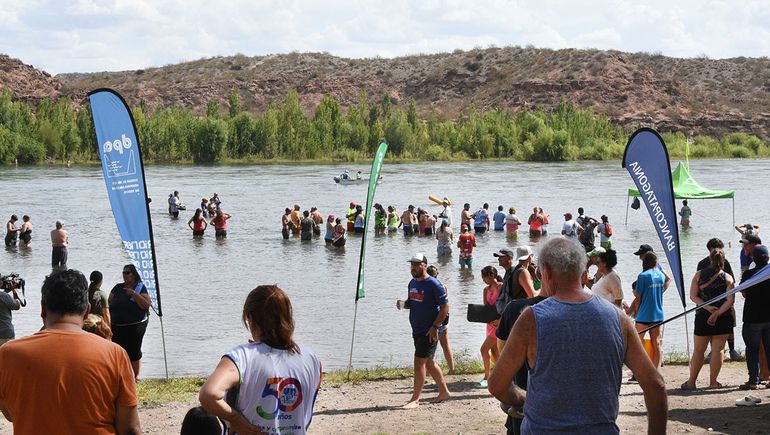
(466, 262)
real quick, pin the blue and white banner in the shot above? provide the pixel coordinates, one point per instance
(126, 189)
(646, 159)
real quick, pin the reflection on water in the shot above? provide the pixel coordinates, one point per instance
(204, 282)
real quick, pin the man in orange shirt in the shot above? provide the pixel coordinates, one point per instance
(63, 379)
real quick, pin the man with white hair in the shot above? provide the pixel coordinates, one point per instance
(575, 344)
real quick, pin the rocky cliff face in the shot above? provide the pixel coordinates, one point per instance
(691, 95)
(27, 83)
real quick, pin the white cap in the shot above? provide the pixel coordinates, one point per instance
(523, 252)
(419, 258)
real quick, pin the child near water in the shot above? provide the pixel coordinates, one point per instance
(491, 291)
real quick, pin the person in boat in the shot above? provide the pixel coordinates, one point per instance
(339, 234)
(358, 175)
(25, 232)
(345, 175)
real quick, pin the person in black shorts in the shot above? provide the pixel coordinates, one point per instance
(428, 307)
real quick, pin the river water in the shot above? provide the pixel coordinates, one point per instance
(204, 282)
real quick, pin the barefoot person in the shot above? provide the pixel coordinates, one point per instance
(428, 309)
(489, 346)
(714, 322)
(277, 380)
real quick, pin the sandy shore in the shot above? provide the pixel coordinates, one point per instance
(374, 407)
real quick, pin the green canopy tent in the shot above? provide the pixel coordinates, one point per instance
(685, 187)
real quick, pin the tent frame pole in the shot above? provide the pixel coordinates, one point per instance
(628, 198)
(733, 198)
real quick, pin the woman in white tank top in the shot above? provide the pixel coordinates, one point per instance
(269, 384)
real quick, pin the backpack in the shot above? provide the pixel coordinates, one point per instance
(608, 230)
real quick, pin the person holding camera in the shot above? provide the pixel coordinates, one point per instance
(9, 302)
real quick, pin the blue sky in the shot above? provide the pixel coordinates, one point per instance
(92, 35)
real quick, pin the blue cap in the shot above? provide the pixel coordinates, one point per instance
(760, 251)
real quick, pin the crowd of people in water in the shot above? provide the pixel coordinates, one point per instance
(568, 283)
(209, 213)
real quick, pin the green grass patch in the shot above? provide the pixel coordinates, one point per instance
(160, 391)
(464, 365)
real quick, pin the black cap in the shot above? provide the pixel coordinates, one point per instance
(643, 249)
(504, 253)
(752, 240)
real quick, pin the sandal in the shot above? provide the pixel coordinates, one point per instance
(746, 401)
(687, 387)
(748, 386)
(718, 386)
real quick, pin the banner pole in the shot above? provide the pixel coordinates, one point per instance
(352, 339)
(163, 339)
(687, 337)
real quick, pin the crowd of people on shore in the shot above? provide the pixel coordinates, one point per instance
(555, 350)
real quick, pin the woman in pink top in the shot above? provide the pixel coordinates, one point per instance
(197, 224)
(491, 291)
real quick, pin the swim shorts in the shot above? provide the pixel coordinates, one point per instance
(423, 347)
(408, 230)
(220, 233)
(466, 262)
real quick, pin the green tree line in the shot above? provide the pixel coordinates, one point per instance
(58, 131)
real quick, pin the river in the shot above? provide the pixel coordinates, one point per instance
(204, 282)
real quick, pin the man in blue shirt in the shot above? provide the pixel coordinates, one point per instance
(428, 307)
(499, 219)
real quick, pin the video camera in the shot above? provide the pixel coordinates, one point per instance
(13, 281)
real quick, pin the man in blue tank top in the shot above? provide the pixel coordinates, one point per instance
(575, 344)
